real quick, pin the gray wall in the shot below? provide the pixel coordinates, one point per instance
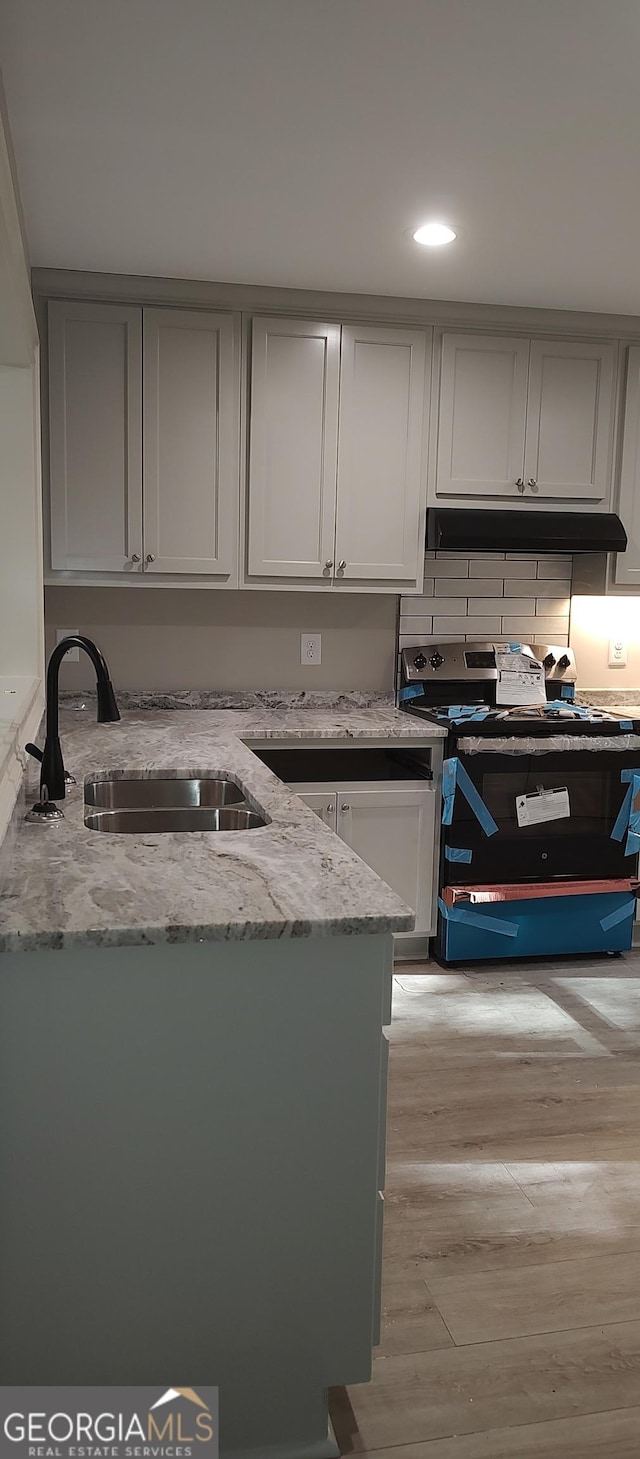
(173, 638)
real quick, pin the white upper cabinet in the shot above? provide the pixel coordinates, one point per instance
(527, 419)
(95, 382)
(295, 368)
(569, 420)
(482, 417)
(191, 442)
(179, 512)
(337, 484)
(380, 500)
(627, 564)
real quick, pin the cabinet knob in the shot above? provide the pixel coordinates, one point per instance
(520, 484)
(150, 557)
(329, 808)
(135, 556)
(328, 565)
(341, 565)
(532, 483)
(344, 807)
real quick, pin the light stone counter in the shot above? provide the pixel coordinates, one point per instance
(64, 886)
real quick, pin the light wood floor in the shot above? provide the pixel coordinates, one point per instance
(512, 1222)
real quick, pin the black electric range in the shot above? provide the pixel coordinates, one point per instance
(536, 797)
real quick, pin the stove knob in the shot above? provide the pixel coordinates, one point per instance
(419, 661)
(548, 662)
(436, 660)
(564, 662)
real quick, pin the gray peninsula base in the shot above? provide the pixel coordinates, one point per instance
(191, 1154)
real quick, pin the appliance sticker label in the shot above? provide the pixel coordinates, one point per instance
(520, 679)
(542, 805)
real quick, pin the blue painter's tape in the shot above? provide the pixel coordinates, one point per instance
(458, 712)
(567, 691)
(626, 724)
(514, 648)
(457, 853)
(454, 775)
(410, 691)
(633, 834)
(628, 817)
(478, 919)
(620, 914)
(622, 818)
(475, 801)
(578, 709)
(449, 774)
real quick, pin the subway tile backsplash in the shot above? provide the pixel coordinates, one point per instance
(486, 595)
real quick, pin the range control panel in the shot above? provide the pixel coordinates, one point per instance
(476, 662)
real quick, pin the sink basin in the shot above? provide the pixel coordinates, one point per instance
(137, 807)
(163, 793)
(174, 818)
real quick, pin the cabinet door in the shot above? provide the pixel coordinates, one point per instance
(95, 424)
(394, 832)
(293, 447)
(191, 442)
(627, 564)
(482, 415)
(569, 420)
(323, 803)
(381, 471)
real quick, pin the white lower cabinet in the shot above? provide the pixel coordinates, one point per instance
(393, 830)
(323, 803)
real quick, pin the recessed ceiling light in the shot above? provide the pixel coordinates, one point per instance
(434, 234)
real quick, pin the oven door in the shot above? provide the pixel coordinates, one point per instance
(576, 847)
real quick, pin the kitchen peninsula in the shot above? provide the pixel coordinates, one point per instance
(191, 1052)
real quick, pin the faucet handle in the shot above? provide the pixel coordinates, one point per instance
(37, 755)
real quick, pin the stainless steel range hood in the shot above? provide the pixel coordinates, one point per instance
(458, 530)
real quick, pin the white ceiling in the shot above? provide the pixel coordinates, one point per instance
(298, 142)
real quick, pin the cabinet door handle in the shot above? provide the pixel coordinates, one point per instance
(344, 808)
(135, 556)
(329, 809)
(520, 484)
(532, 483)
(150, 557)
(342, 565)
(328, 565)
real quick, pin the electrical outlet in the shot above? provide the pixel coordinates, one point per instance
(311, 648)
(617, 653)
(73, 654)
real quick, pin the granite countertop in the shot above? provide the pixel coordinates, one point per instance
(66, 886)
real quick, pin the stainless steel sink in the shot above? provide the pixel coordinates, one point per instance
(174, 818)
(137, 807)
(162, 793)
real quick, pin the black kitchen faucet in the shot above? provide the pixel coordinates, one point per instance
(52, 773)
